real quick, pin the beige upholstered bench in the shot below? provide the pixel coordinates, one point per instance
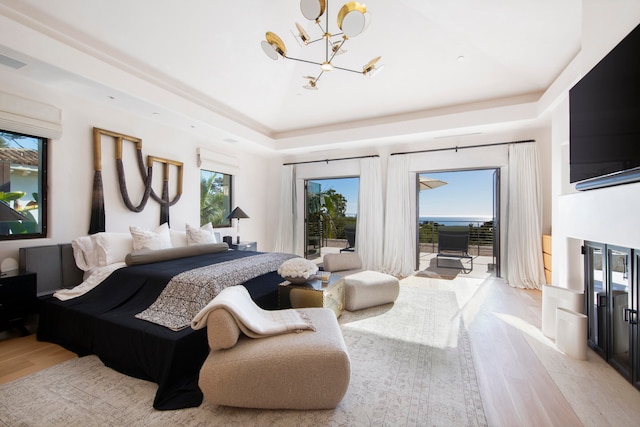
(299, 370)
(342, 264)
(369, 288)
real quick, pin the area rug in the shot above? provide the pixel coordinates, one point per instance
(436, 275)
(411, 366)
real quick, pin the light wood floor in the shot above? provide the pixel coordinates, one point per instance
(21, 356)
(516, 388)
(523, 380)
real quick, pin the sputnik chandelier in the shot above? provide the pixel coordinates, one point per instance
(353, 19)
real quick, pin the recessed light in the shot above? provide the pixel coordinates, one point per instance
(460, 58)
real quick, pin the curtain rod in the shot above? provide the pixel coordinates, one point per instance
(466, 146)
(330, 160)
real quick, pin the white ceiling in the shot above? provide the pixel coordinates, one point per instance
(207, 54)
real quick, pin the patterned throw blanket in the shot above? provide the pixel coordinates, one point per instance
(187, 293)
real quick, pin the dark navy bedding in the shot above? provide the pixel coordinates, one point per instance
(102, 322)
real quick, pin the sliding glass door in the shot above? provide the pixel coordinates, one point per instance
(465, 200)
(312, 220)
(496, 223)
(331, 209)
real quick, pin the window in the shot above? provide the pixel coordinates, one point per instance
(23, 177)
(215, 198)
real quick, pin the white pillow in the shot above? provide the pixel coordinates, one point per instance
(84, 254)
(200, 236)
(110, 248)
(160, 238)
(178, 238)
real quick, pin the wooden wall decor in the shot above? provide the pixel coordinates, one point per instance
(97, 223)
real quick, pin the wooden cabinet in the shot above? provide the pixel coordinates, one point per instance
(17, 298)
(546, 256)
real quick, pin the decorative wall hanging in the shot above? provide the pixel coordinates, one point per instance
(97, 223)
(164, 200)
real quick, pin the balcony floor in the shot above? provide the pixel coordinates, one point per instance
(449, 269)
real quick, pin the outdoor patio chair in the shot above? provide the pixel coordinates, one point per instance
(350, 232)
(453, 242)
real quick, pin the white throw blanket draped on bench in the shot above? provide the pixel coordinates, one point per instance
(252, 320)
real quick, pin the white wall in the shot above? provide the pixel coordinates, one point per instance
(607, 215)
(71, 170)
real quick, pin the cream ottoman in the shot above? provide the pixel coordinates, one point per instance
(305, 370)
(369, 288)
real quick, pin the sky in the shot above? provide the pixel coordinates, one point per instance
(466, 194)
(348, 187)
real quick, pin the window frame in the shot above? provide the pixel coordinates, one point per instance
(43, 144)
(227, 222)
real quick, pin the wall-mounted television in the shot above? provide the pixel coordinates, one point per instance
(604, 106)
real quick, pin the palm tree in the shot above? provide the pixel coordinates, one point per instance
(332, 207)
(212, 200)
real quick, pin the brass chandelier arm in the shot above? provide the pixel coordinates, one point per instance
(319, 63)
(347, 69)
(334, 52)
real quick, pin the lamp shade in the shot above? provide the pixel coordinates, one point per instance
(237, 213)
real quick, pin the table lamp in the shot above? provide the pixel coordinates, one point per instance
(237, 213)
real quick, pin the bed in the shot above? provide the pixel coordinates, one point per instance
(103, 322)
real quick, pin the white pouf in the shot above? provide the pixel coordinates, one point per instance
(571, 333)
(369, 288)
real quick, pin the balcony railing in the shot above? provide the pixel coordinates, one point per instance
(480, 236)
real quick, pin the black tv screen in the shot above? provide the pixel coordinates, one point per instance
(605, 116)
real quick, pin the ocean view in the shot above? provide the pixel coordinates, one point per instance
(456, 220)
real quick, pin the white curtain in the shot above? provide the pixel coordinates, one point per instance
(525, 268)
(286, 226)
(369, 231)
(399, 230)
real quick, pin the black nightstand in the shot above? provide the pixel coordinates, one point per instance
(244, 246)
(17, 299)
